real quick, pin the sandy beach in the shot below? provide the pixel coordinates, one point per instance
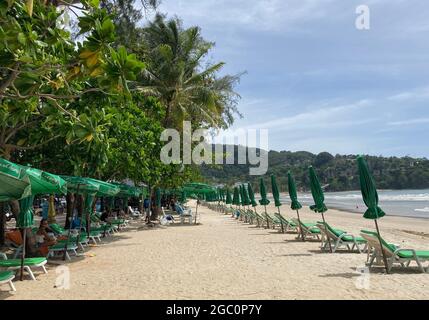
(222, 258)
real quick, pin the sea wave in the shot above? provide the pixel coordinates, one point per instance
(382, 197)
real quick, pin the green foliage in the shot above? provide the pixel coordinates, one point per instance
(337, 173)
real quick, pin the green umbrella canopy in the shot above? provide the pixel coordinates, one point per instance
(126, 191)
(369, 191)
(228, 197)
(14, 182)
(316, 192)
(295, 205)
(198, 188)
(236, 197)
(25, 217)
(105, 189)
(264, 200)
(43, 182)
(275, 191)
(81, 185)
(251, 195)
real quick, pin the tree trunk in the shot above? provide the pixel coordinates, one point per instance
(69, 216)
(102, 206)
(2, 223)
(80, 205)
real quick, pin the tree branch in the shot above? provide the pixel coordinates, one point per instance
(15, 147)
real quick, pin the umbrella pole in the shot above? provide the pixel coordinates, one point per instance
(257, 220)
(196, 211)
(24, 244)
(329, 240)
(300, 229)
(70, 224)
(381, 246)
(281, 220)
(266, 216)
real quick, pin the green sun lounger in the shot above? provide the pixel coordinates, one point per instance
(286, 224)
(7, 277)
(29, 263)
(309, 229)
(394, 254)
(340, 239)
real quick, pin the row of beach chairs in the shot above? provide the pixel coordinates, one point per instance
(368, 242)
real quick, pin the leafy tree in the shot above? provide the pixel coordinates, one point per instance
(175, 73)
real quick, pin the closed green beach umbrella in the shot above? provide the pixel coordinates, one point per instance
(264, 200)
(251, 195)
(263, 191)
(246, 195)
(318, 197)
(25, 217)
(236, 197)
(370, 197)
(295, 204)
(228, 197)
(275, 191)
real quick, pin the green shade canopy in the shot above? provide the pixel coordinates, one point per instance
(14, 183)
(369, 191)
(251, 195)
(198, 188)
(236, 197)
(264, 200)
(105, 189)
(25, 217)
(81, 185)
(228, 197)
(45, 183)
(126, 191)
(295, 205)
(275, 191)
(317, 193)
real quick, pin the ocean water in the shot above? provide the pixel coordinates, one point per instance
(409, 203)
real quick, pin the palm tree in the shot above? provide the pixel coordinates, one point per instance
(176, 75)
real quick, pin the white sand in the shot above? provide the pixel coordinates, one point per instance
(225, 259)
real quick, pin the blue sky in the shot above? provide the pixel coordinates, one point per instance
(315, 81)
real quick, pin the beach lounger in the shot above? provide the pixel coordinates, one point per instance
(7, 277)
(286, 224)
(58, 249)
(340, 239)
(394, 254)
(15, 264)
(270, 222)
(309, 230)
(260, 220)
(184, 214)
(83, 239)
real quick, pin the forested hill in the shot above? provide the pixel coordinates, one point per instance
(338, 172)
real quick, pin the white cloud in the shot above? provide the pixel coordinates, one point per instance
(409, 122)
